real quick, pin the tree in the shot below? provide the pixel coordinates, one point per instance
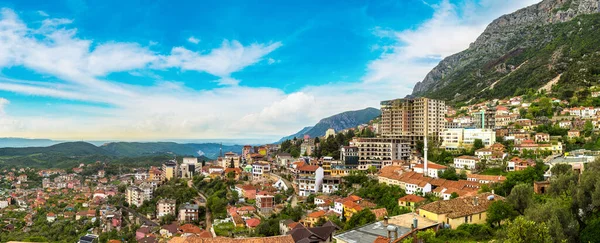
(449, 174)
(231, 174)
(426, 236)
(167, 219)
(556, 214)
(500, 211)
(521, 197)
(591, 233)
(586, 200)
(310, 199)
(478, 144)
(453, 195)
(588, 127)
(560, 169)
(295, 152)
(361, 218)
(231, 164)
(372, 169)
(235, 197)
(522, 230)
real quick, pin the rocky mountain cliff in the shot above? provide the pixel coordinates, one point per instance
(524, 49)
(344, 120)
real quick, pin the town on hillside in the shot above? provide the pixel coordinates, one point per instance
(424, 171)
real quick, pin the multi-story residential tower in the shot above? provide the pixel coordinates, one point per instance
(485, 118)
(169, 170)
(412, 118)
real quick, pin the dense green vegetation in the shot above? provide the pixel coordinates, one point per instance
(216, 192)
(270, 226)
(383, 195)
(542, 52)
(173, 189)
(569, 212)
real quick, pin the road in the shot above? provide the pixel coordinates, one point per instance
(140, 216)
(294, 201)
(201, 201)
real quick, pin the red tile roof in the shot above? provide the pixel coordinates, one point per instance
(411, 198)
(253, 222)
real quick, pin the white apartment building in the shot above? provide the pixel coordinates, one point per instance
(584, 112)
(380, 151)
(141, 175)
(137, 195)
(331, 184)
(165, 207)
(260, 170)
(190, 160)
(458, 138)
(465, 161)
(309, 179)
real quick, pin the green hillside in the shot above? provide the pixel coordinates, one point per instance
(573, 51)
(134, 149)
(69, 149)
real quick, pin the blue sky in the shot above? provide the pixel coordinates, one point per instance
(156, 70)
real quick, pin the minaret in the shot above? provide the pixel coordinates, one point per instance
(425, 151)
(221, 150)
(425, 139)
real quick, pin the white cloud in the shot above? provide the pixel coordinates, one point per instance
(168, 109)
(3, 103)
(451, 29)
(42, 13)
(193, 40)
(231, 57)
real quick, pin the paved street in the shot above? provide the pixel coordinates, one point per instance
(140, 216)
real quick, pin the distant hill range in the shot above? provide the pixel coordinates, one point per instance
(26, 142)
(68, 149)
(134, 149)
(121, 149)
(341, 121)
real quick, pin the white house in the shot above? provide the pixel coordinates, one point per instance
(483, 153)
(465, 161)
(413, 186)
(433, 170)
(564, 124)
(280, 185)
(3, 203)
(50, 217)
(330, 184)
